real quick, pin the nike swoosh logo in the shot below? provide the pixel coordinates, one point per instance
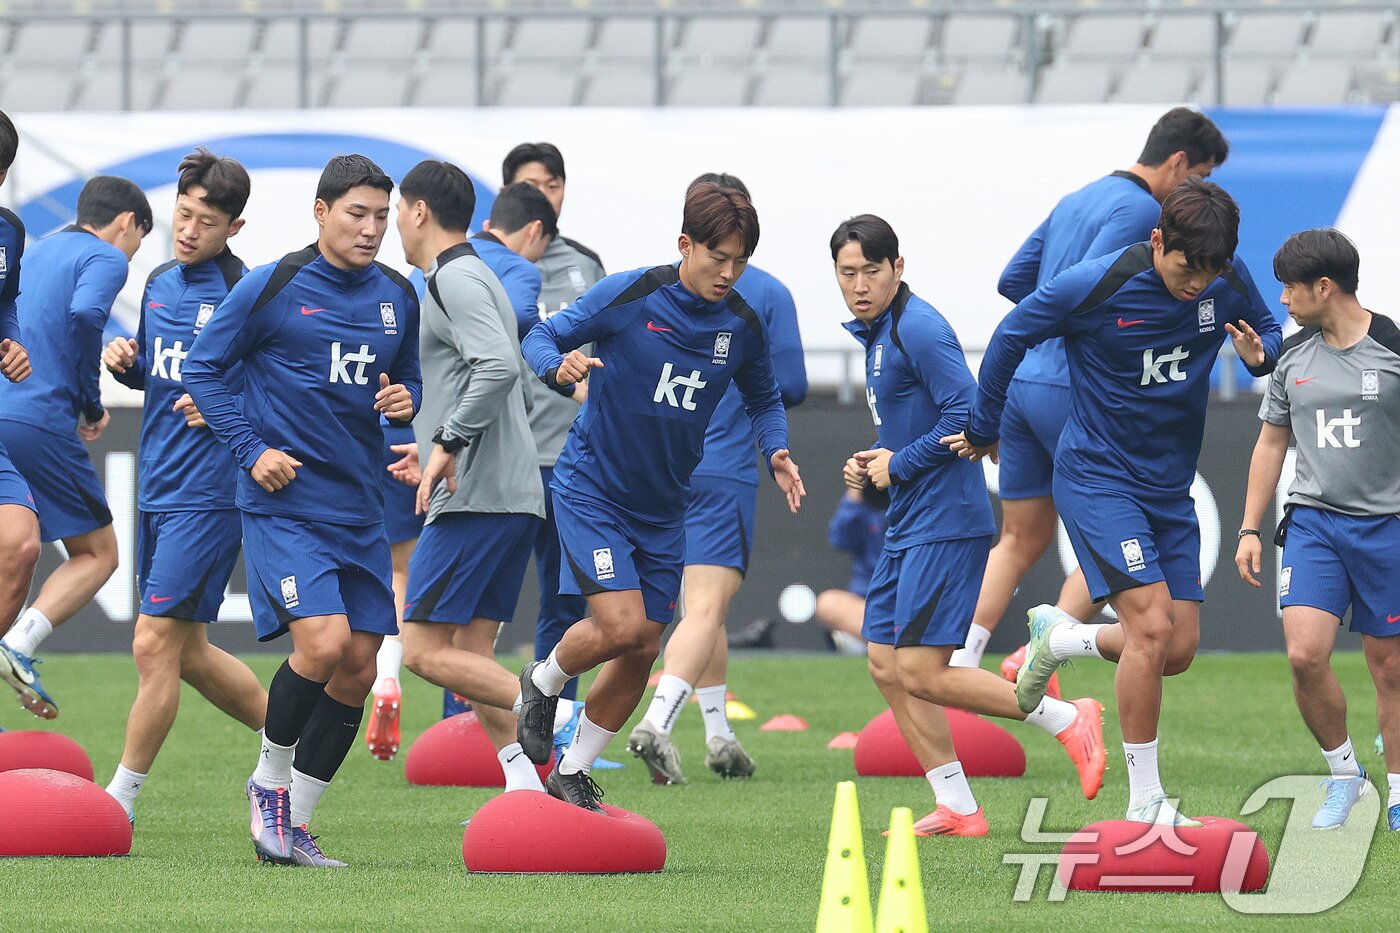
(513, 757)
(1123, 323)
(651, 325)
(1392, 619)
(1346, 757)
(1298, 382)
(306, 310)
(152, 305)
(161, 599)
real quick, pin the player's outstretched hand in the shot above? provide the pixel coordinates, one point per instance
(185, 406)
(575, 368)
(90, 431)
(441, 466)
(393, 401)
(120, 354)
(854, 474)
(1248, 344)
(876, 463)
(274, 470)
(405, 469)
(14, 360)
(788, 479)
(1247, 557)
(960, 445)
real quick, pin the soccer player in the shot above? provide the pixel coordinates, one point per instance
(718, 538)
(19, 523)
(71, 280)
(1336, 392)
(328, 341)
(511, 243)
(1104, 216)
(940, 529)
(567, 270)
(189, 534)
(1142, 328)
(668, 340)
(465, 574)
(858, 527)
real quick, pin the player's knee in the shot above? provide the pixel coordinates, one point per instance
(883, 671)
(828, 606)
(1308, 663)
(417, 657)
(1025, 542)
(154, 649)
(321, 657)
(1386, 674)
(644, 642)
(1180, 658)
(19, 556)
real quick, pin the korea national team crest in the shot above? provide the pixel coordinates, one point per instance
(879, 359)
(1285, 580)
(722, 341)
(1370, 384)
(1205, 315)
(290, 599)
(206, 311)
(4, 260)
(576, 279)
(1132, 555)
(603, 563)
(386, 312)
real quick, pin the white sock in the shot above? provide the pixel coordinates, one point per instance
(950, 788)
(388, 663)
(563, 713)
(28, 632)
(1342, 760)
(274, 763)
(1075, 640)
(970, 654)
(589, 742)
(1144, 782)
(520, 773)
(1052, 715)
(549, 676)
(124, 786)
(519, 701)
(667, 702)
(1394, 790)
(306, 792)
(714, 707)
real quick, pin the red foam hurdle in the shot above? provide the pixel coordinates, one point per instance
(55, 813)
(984, 748)
(1116, 855)
(37, 749)
(455, 752)
(531, 832)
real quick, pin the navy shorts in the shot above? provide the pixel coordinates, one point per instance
(1031, 423)
(1333, 561)
(469, 565)
(607, 550)
(400, 522)
(1124, 541)
(719, 522)
(13, 489)
(925, 594)
(184, 561)
(67, 493)
(298, 569)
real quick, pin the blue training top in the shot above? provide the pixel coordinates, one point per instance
(11, 252)
(519, 277)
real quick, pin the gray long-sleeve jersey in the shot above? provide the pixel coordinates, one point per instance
(475, 388)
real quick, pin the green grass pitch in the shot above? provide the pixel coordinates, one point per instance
(742, 855)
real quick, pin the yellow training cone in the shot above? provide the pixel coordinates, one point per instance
(902, 890)
(738, 709)
(845, 906)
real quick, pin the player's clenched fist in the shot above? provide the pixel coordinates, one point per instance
(185, 406)
(120, 354)
(393, 401)
(274, 470)
(854, 474)
(14, 360)
(575, 368)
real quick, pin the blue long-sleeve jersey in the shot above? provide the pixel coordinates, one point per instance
(1139, 363)
(729, 439)
(519, 277)
(71, 279)
(668, 358)
(181, 469)
(11, 252)
(919, 389)
(1104, 216)
(313, 339)
(859, 530)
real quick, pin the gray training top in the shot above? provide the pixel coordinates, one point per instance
(1343, 406)
(475, 389)
(567, 270)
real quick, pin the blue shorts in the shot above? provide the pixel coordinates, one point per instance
(469, 565)
(607, 550)
(719, 522)
(298, 569)
(925, 594)
(1031, 423)
(1125, 541)
(13, 489)
(1333, 561)
(184, 561)
(67, 493)
(399, 498)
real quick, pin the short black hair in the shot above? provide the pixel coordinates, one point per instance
(724, 180)
(225, 181)
(1325, 251)
(876, 237)
(1182, 129)
(1203, 221)
(344, 172)
(521, 204)
(9, 141)
(104, 197)
(547, 154)
(713, 214)
(446, 189)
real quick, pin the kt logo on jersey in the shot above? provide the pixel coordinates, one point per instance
(668, 384)
(340, 365)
